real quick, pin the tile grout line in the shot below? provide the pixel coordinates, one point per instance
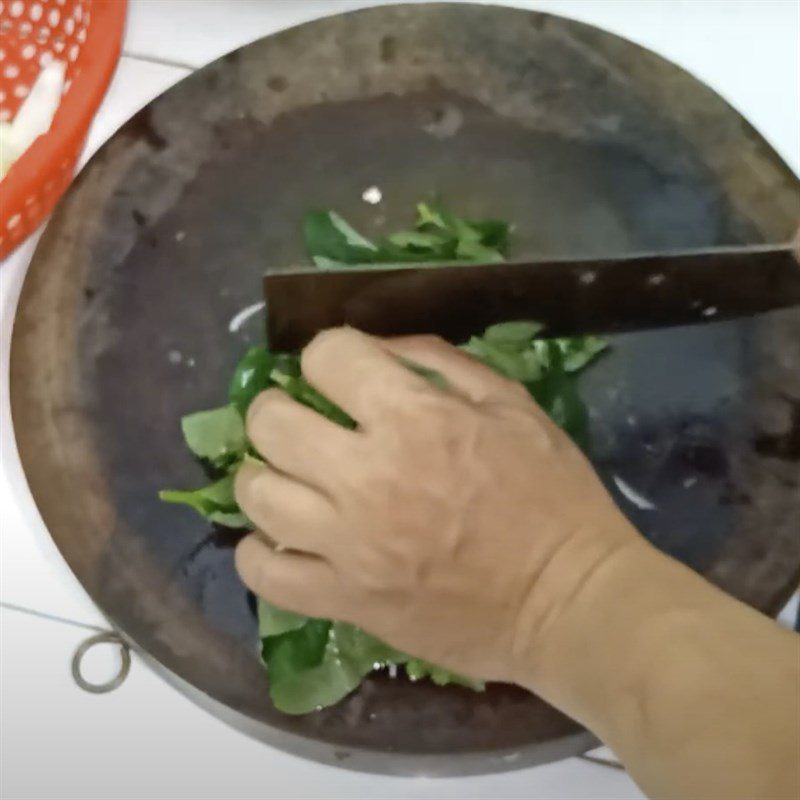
(164, 62)
(51, 617)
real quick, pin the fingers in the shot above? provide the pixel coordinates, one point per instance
(295, 439)
(463, 373)
(289, 513)
(296, 582)
(356, 372)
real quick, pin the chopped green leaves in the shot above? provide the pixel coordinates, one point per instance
(437, 235)
(313, 663)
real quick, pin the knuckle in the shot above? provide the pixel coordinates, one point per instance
(248, 564)
(242, 487)
(263, 406)
(517, 391)
(429, 341)
(323, 344)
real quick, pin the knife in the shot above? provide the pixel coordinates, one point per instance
(569, 297)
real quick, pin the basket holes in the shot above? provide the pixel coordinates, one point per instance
(81, 35)
(59, 45)
(21, 90)
(53, 16)
(2, 54)
(11, 71)
(30, 201)
(29, 51)
(73, 52)
(69, 26)
(45, 58)
(35, 12)
(61, 2)
(2, 6)
(17, 7)
(14, 221)
(24, 29)
(42, 35)
(79, 12)
(5, 26)
(67, 86)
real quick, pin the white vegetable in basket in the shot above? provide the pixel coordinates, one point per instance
(34, 117)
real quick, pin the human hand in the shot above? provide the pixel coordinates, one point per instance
(456, 524)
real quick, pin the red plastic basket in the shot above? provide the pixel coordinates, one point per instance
(87, 36)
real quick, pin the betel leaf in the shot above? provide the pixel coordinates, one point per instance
(513, 362)
(517, 334)
(250, 377)
(579, 351)
(216, 436)
(216, 502)
(304, 675)
(274, 621)
(475, 251)
(317, 664)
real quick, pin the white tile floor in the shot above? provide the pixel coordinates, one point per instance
(146, 740)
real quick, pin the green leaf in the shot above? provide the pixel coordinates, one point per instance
(475, 251)
(429, 215)
(493, 233)
(557, 393)
(274, 621)
(318, 664)
(518, 365)
(313, 663)
(328, 236)
(216, 436)
(230, 519)
(512, 334)
(323, 263)
(580, 351)
(418, 241)
(482, 240)
(250, 377)
(216, 502)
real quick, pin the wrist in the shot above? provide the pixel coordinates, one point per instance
(603, 614)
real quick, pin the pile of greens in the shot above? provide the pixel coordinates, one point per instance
(314, 663)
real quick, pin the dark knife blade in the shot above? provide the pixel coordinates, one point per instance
(569, 297)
